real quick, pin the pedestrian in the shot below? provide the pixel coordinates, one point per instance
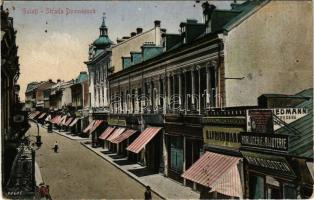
(148, 194)
(56, 147)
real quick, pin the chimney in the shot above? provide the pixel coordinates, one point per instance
(58, 80)
(50, 80)
(139, 30)
(133, 34)
(157, 23)
(163, 30)
(208, 9)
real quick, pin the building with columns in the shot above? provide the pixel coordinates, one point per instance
(208, 67)
(98, 65)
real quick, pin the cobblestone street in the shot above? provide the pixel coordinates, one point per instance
(77, 173)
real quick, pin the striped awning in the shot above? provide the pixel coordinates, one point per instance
(139, 143)
(74, 122)
(217, 171)
(115, 134)
(68, 122)
(48, 118)
(42, 115)
(34, 114)
(90, 126)
(125, 135)
(55, 119)
(106, 133)
(62, 120)
(96, 125)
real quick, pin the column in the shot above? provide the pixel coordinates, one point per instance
(180, 90)
(199, 90)
(184, 157)
(92, 89)
(168, 92)
(105, 96)
(164, 106)
(165, 153)
(208, 87)
(193, 89)
(186, 100)
(101, 96)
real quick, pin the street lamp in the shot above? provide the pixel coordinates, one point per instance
(38, 137)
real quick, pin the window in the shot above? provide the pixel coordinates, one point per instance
(176, 153)
(256, 190)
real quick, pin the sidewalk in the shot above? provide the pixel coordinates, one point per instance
(162, 186)
(70, 136)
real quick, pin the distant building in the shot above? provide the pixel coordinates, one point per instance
(30, 95)
(41, 87)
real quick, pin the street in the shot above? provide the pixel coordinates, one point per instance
(77, 173)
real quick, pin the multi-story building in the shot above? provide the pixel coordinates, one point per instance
(30, 95)
(42, 86)
(60, 95)
(14, 122)
(98, 65)
(224, 62)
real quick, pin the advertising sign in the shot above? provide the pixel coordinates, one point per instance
(116, 122)
(286, 115)
(222, 136)
(265, 141)
(260, 121)
(273, 164)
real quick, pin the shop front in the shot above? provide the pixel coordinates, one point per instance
(183, 145)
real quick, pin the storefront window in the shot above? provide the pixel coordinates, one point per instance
(289, 192)
(176, 152)
(256, 187)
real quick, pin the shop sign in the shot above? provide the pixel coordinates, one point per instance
(260, 121)
(265, 141)
(116, 122)
(222, 136)
(287, 115)
(224, 120)
(273, 164)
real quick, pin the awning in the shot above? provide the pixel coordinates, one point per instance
(55, 119)
(42, 115)
(33, 115)
(48, 118)
(91, 124)
(74, 122)
(68, 122)
(115, 134)
(217, 171)
(96, 125)
(139, 143)
(125, 135)
(106, 133)
(62, 120)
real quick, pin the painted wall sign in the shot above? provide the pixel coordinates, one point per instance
(224, 120)
(273, 164)
(116, 122)
(260, 121)
(222, 136)
(265, 141)
(288, 115)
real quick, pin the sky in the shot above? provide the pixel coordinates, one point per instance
(60, 52)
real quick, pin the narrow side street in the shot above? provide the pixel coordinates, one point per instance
(77, 173)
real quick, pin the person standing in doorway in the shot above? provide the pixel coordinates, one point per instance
(148, 193)
(56, 147)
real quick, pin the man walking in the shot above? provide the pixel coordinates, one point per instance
(148, 194)
(56, 147)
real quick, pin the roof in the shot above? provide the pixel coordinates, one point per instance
(83, 76)
(102, 41)
(301, 144)
(246, 9)
(31, 86)
(225, 20)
